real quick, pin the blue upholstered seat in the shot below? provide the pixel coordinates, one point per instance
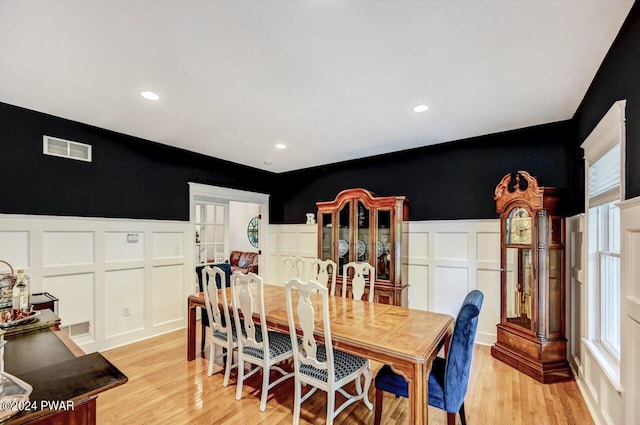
(449, 377)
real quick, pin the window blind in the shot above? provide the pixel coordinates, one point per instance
(604, 178)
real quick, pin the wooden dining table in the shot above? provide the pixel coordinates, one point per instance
(405, 338)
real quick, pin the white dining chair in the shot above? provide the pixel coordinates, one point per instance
(358, 281)
(293, 267)
(223, 329)
(257, 345)
(324, 272)
(316, 365)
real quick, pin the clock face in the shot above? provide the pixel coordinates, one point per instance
(519, 226)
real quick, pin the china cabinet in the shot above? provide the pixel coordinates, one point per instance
(359, 226)
(531, 332)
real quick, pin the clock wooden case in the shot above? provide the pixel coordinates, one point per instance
(360, 226)
(531, 332)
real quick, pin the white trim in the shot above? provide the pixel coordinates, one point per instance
(606, 363)
(629, 203)
(606, 134)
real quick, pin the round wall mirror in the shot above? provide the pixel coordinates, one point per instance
(252, 231)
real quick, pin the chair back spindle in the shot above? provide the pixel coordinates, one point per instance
(359, 282)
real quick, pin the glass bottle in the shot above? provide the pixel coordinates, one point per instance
(20, 292)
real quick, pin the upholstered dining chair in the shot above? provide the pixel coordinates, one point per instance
(257, 345)
(449, 377)
(358, 281)
(324, 272)
(223, 330)
(204, 319)
(321, 366)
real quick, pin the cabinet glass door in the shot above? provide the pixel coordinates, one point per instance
(327, 228)
(363, 234)
(383, 245)
(344, 248)
(519, 287)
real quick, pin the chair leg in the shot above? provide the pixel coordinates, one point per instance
(212, 358)
(240, 376)
(378, 411)
(331, 406)
(228, 363)
(265, 386)
(463, 417)
(451, 418)
(297, 400)
(203, 336)
(367, 384)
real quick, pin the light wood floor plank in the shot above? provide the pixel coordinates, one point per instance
(164, 388)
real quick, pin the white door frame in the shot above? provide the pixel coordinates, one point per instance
(223, 193)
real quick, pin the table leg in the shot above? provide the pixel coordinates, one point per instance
(419, 395)
(191, 331)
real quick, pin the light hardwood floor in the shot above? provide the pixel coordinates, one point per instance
(164, 388)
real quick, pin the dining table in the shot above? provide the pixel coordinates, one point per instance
(406, 339)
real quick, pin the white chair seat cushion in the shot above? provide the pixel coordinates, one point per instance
(279, 344)
(344, 364)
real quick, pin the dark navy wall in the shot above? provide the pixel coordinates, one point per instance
(135, 178)
(128, 178)
(448, 181)
(618, 78)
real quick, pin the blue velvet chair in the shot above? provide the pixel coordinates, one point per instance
(449, 377)
(204, 320)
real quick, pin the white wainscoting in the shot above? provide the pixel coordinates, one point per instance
(287, 240)
(123, 280)
(608, 403)
(443, 261)
(629, 258)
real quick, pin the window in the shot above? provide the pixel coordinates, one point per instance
(604, 149)
(606, 238)
(209, 232)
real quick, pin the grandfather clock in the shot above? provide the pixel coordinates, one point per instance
(531, 332)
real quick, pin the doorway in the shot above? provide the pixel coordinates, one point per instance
(220, 221)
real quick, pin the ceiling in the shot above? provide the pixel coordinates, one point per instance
(332, 79)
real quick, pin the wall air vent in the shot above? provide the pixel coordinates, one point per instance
(66, 149)
(77, 329)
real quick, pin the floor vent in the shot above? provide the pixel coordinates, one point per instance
(78, 329)
(66, 149)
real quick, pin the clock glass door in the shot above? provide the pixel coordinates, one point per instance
(519, 287)
(518, 229)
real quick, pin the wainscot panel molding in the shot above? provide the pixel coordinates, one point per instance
(444, 260)
(630, 294)
(289, 240)
(118, 280)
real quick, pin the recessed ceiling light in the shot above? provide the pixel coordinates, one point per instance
(149, 95)
(281, 146)
(267, 162)
(420, 108)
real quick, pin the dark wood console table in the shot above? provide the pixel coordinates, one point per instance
(58, 370)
